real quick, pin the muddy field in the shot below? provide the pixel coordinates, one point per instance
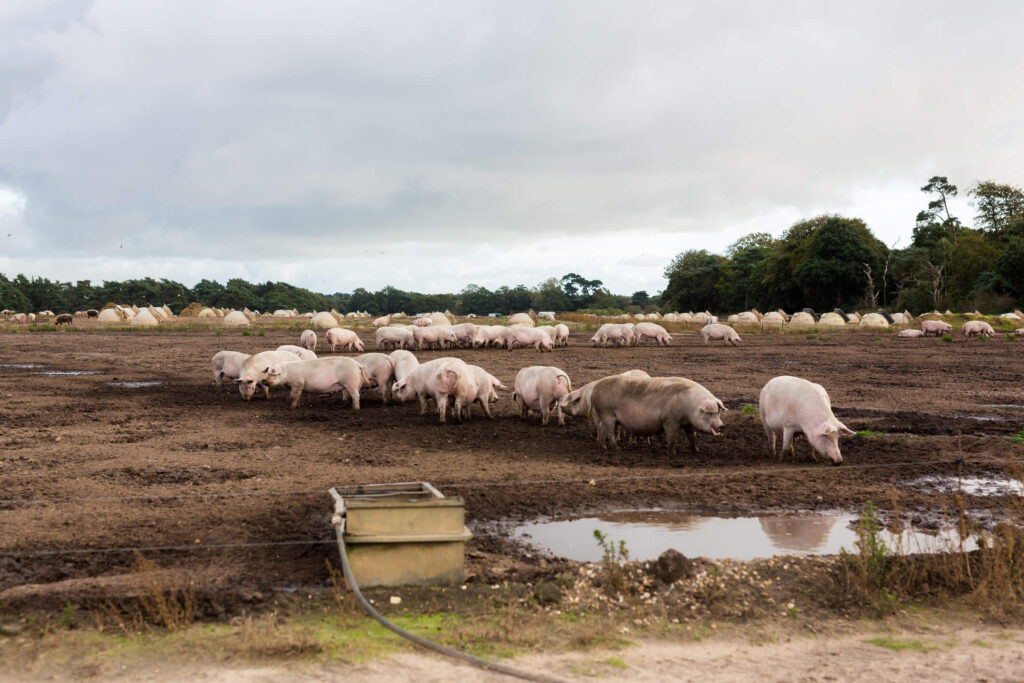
(144, 452)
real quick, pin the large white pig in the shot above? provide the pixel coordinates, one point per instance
(616, 334)
(228, 365)
(716, 331)
(379, 371)
(975, 328)
(791, 405)
(522, 336)
(651, 331)
(649, 406)
(423, 322)
(404, 362)
(465, 333)
(339, 337)
(300, 352)
(935, 327)
(440, 379)
(320, 376)
(307, 340)
(434, 336)
(561, 334)
(577, 403)
(394, 337)
(254, 371)
(486, 384)
(490, 335)
(541, 387)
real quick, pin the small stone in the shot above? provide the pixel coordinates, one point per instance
(59, 438)
(11, 629)
(396, 600)
(672, 565)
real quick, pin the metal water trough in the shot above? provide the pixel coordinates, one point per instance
(401, 534)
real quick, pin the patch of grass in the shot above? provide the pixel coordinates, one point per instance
(246, 333)
(749, 409)
(981, 643)
(67, 617)
(1011, 337)
(867, 433)
(898, 645)
(947, 337)
(616, 662)
(261, 333)
(1018, 437)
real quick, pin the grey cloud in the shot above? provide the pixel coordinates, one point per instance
(282, 130)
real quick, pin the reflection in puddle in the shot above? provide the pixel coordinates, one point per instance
(20, 366)
(135, 385)
(990, 485)
(56, 373)
(649, 533)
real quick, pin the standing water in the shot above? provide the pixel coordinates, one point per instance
(649, 533)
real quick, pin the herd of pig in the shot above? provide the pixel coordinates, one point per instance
(633, 403)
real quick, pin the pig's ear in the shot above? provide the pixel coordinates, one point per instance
(274, 371)
(709, 407)
(721, 406)
(844, 430)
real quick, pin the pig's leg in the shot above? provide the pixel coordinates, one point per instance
(423, 403)
(671, 431)
(296, 396)
(561, 417)
(523, 409)
(787, 441)
(607, 431)
(691, 434)
(442, 406)
(353, 391)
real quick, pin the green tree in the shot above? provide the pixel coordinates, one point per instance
(1010, 265)
(999, 206)
(842, 253)
(937, 212)
(744, 270)
(549, 296)
(692, 278)
(11, 297)
(640, 298)
(968, 259)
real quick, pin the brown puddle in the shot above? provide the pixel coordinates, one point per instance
(648, 533)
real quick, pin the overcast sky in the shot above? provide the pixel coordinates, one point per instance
(429, 145)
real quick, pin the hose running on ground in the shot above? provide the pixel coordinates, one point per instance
(429, 644)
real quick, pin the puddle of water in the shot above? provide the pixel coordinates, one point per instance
(991, 485)
(20, 366)
(135, 385)
(1012, 406)
(56, 373)
(649, 533)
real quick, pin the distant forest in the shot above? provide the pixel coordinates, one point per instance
(823, 262)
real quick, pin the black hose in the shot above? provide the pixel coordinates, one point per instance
(465, 656)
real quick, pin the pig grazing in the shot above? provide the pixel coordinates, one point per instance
(490, 335)
(379, 371)
(578, 401)
(320, 376)
(561, 334)
(650, 406)
(300, 352)
(617, 334)
(394, 337)
(523, 336)
(440, 379)
(339, 337)
(227, 365)
(910, 334)
(64, 319)
(404, 362)
(790, 406)
(935, 327)
(434, 336)
(307, 340)
(652, 331)
(976, 328)
(465, 333)
(717, 331)
(486, 384)
(254, 371)
(539, 387)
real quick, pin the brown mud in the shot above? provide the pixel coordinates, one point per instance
(181, 464)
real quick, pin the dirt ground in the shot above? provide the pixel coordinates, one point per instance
(180, 463)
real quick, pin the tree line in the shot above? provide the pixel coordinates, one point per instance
(832, 261)
(572, 292)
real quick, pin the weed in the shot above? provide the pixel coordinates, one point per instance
(867, 433)
(869, 568)
(614, 576)
(981, 643)
(261, 333)
(1018, 437)
(67, 617)
(219, 333)
(616, 662)
(899, 645)
(246, 333)
(947, 337)
(749, 409)
(1011, 337)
